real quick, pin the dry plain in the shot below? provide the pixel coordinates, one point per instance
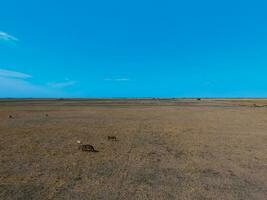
(166, 149)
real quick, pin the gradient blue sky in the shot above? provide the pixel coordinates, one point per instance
(140, 48)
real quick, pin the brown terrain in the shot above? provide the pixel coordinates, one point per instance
(164, 149)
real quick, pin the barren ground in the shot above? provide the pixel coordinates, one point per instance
(167, 149)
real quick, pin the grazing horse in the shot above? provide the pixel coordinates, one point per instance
(86, 147)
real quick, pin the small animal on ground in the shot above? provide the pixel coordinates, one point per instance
(46, 115)
(199, 99)
(257, 106)
(86, 147)
(113, 138)
(10, 117)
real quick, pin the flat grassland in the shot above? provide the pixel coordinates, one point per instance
(166, 149)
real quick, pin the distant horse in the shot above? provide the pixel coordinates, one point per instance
(113, 138)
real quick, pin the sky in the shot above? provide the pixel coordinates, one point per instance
(140, 48)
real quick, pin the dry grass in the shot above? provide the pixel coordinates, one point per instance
(166, 149)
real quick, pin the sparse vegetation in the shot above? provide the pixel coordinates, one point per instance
(177, 149)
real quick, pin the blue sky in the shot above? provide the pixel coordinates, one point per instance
(133, 48)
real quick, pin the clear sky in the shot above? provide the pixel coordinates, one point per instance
(140, 48)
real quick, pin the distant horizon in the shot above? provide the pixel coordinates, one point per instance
(153, 98)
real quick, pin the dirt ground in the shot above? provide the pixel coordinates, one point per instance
(166, 149)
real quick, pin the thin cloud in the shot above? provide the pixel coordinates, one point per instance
(12, 87)
(17, 84)
(7, 37)
(116, 79)
(61, 84)
(13, 74)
